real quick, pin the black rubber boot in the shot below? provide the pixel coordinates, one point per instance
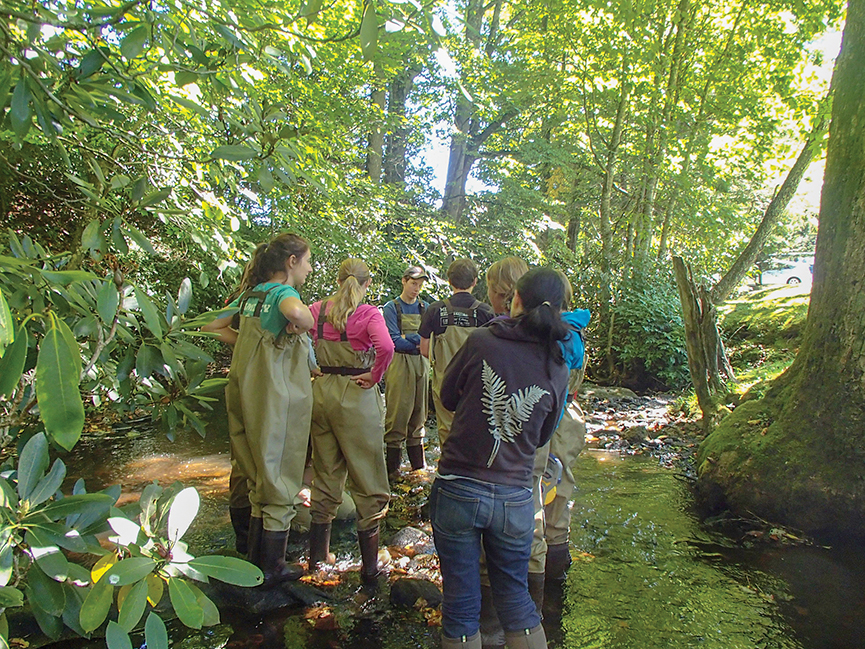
(393, 459)
(536, 590)
(492, 633)
(416, 457)
(319, 544)
(368, 542)
(240, 522)
(254, 542)
(272, 559)
(558, 561)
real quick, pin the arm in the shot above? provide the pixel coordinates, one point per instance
(381, 340)
(551, 422)
(400, 344)
(299, 316)
(427, 327)
(424, 347)
(222, 327)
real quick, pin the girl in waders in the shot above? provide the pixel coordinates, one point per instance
(353, 348)
(269, 399)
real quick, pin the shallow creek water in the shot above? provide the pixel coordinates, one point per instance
(646, 572)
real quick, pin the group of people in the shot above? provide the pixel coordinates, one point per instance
(503, 376)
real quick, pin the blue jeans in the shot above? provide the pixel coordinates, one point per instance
(466, 513)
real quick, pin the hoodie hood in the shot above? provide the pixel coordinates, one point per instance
(573, 349)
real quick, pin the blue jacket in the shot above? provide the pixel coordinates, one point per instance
(573, 348)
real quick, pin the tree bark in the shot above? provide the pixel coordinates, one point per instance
(394, 157)
(375, 145)
(796, 455)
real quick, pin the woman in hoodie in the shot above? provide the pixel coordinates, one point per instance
(507, 387)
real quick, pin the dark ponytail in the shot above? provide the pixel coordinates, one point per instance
(269, 258)
(542, 294)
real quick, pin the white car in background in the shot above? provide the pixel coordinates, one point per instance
(788, 271)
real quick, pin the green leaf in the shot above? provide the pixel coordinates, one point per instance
(369, 32)
(92, 239)
(233, 152)
(8, 497)
(21, 112)
(66, 277)
(155, 633)
(183, 510)
(83, 504)
(130, 570)
(48, 485)
(145, 361)
(7, 560)
(7, 325)
(96, 605)
(91, 63)
(10, 597)
(211, 613)
(107, 301)
(190, 351)
(148, 310)
(185, 603)
(184, 295)
(133, 606)
(32, 464)
(47, 593)
(12, 363)
(140, 240)
(229, 569)
(156, 197)
(57, 375)
(133, 43)
(51, 624)
(48, 556)
(116, 637)
(311, 8)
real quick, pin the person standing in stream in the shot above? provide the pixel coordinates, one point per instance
(445, 327)
(269, 400)
(353, 348)
(407, 379)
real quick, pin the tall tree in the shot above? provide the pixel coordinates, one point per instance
(796, 454)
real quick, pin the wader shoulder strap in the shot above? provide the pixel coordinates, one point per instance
(471, 312)
(248, 295)
(398, 315)
(322, 316)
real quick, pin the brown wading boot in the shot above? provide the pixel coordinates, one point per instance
(369, 570)
(416, 457)
(240, 522)
(492, 633)
(527, 639)
(272, 559)
(319, 545)
(465, 642)
(393, 458)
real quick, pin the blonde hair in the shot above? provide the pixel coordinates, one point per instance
(353, 274)
(503, 275)
(569, 291)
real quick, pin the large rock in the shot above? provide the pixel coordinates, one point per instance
(407, 591)
(411, 538)
(612, 393)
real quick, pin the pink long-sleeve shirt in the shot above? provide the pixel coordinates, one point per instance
(365, 328)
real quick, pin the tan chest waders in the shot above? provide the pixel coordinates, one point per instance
(406, 389)
(269, 403)
(347, 434)
(443, 348)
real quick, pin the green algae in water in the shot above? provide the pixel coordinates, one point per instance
(646, 579)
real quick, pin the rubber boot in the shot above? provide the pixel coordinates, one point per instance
(254, 543)
(527, 639)
(393, 459)
(492, 633)
(240, 522)
(368, 542)
(536, 590)
(272, 559)
(466, 642)
(558, 561)
(319, 544)
(416, 457)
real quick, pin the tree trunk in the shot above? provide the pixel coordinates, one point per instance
(796, 455)
(394, 158)
(375, 146)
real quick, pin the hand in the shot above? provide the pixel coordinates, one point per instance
(293, 328)
(414, 339)
(316, 372)
(364, 380)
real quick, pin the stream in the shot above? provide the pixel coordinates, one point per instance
(646, 573)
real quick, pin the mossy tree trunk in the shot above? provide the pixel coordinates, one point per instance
(796, 455)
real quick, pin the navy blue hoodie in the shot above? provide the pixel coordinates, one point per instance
(508, 392)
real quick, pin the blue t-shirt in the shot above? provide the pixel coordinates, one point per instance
(411, 343)
(271, 317)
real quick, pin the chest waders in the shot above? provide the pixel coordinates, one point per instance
(443, 348)
(347, 445)
(269, 403)
(406, 388)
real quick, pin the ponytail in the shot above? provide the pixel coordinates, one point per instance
(270, 258)
(353, 274)
(542, 293)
